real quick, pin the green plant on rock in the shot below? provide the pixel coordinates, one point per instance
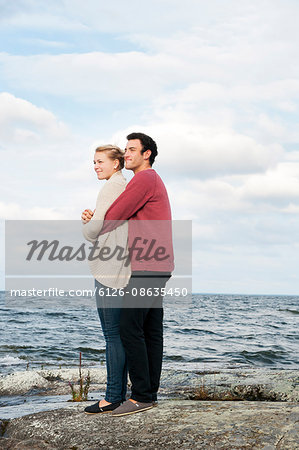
(80, 396)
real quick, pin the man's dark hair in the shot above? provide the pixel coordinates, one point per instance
(147, 143)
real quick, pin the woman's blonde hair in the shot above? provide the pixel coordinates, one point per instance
(113, 152)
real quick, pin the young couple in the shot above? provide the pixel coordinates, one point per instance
(135, 218)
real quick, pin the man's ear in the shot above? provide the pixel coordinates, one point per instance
(147, 154)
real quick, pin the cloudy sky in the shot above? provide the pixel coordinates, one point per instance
(214, 82)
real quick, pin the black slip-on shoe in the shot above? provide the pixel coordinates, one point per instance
(97, 409)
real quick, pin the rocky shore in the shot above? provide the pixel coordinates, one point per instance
(198, 410)
(230, 384)
(173, 424)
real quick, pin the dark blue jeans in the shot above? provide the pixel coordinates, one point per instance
(116, 362)
(141, 330)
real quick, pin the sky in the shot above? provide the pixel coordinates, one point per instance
(215, 83)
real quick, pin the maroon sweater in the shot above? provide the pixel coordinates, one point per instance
(146, 205)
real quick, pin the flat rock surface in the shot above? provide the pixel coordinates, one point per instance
(234, 384)
(173, 424)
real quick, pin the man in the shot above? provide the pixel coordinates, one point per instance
(145, 204)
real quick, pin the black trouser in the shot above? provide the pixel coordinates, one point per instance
(141, 331)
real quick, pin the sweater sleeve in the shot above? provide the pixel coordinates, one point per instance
(137, 193)
(106, 196)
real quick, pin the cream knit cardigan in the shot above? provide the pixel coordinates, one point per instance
(112, 272)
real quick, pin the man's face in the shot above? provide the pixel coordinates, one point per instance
(134, 159)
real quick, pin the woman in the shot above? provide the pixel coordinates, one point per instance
(110, 274)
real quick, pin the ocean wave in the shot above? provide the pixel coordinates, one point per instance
(291, 311)
(198, 331)
(15, 348)
(91, 351)
(211, 331)
(174, 358)
(262, 357)
(9, 360)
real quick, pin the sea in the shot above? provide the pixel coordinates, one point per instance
(204, 332)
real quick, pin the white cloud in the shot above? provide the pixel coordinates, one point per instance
(91, 77)
(215, 83)
(116, 16)
(271, 127)
(291, 209)
(32, 14)
(278, 187)
(46, 43)
(21, 121)
(204, 152)
(275, 191)
(189, 150)
(44, 169)
(14, 211)
(282, 93)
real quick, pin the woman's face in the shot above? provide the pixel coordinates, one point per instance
(104, 166)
